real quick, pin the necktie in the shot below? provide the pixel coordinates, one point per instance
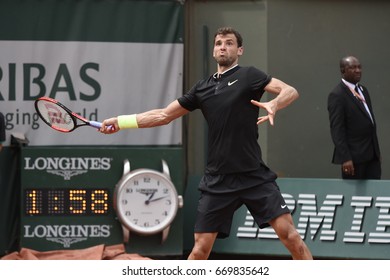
(357, 94)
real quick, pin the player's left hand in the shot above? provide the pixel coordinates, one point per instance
(269, 107)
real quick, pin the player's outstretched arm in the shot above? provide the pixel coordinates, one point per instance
(152, 118)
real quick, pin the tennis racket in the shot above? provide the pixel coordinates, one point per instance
(59, 117)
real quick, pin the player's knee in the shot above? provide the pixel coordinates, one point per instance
(290, 236)
(199, 253)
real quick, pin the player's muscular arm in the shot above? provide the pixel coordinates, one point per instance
(152, 118)
(286, 94)
(158, 117)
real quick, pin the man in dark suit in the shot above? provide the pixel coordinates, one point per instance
(353, 125)
(2, 130)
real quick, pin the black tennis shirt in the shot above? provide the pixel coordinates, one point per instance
(232, 121)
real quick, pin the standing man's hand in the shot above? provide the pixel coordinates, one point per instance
(348, 168)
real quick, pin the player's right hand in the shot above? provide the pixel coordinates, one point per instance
(110, 126)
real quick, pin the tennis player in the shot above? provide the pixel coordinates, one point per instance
(235, 174)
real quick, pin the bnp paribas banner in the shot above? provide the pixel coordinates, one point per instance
(100, 58)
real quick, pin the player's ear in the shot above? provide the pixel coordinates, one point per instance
(240, 50)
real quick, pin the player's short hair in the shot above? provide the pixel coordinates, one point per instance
(229, 30)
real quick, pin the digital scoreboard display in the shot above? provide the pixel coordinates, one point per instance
(66, 202)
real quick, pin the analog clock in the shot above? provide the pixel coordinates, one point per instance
(146, 201)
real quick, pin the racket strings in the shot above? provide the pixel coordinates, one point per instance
(55, 116)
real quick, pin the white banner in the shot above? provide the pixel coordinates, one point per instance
(185, 270)
(98, 80)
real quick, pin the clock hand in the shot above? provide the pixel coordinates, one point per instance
(158, 198)
(149, 198)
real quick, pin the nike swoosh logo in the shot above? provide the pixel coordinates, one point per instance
(230, 83)
(283, 206)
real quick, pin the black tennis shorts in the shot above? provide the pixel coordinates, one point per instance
(215, 210)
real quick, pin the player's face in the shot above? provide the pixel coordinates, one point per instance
(226, 50)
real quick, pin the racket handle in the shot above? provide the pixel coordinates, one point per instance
(98, 125)
(95, 124)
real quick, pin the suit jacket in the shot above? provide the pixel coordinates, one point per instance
(353, 133)
(2, 128)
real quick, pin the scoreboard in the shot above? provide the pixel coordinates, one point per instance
(66, 202)
(67, 197)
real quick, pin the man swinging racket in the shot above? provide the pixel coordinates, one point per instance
(235, 174)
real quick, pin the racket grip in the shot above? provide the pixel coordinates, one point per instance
(98, 125)
(95, 124)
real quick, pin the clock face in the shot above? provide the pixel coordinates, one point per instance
(146, 201)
